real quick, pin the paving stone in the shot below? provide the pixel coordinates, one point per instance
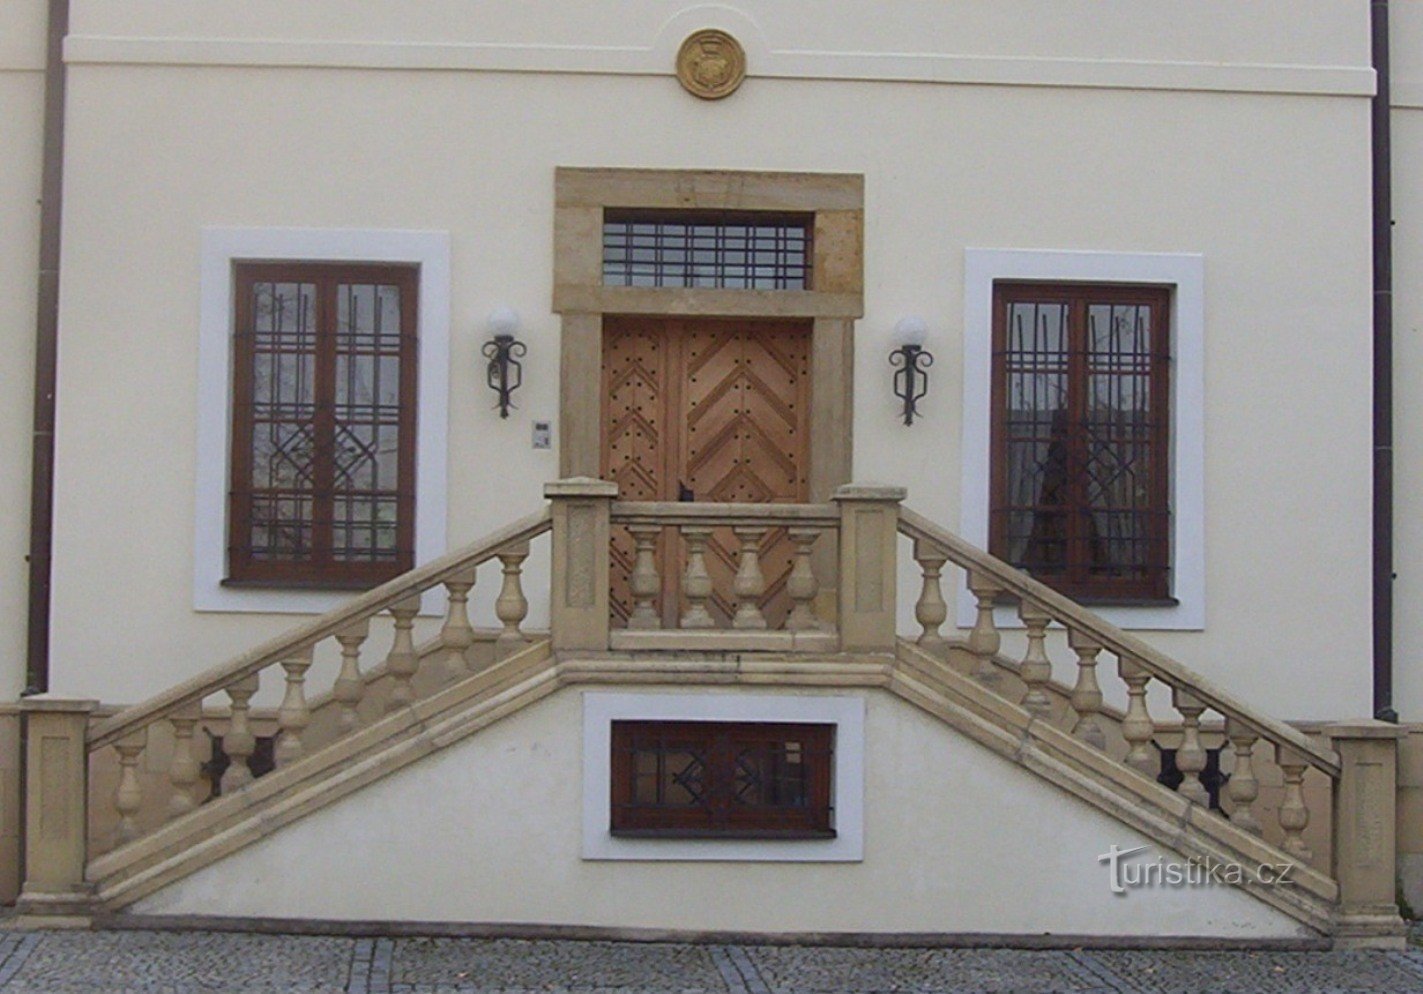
(447, 966)
(183, 963)
(804, 970)
(1155, 972)
(134, 962)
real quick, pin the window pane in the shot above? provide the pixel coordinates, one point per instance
(669, 774)
(1035, 427)
(771, 774)
(282, 354)
(1118, 431)
(699, 250)
(366, 457)
(281, 527)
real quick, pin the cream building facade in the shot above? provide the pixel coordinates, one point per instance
(1219, 154)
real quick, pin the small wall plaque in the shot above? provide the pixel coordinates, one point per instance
(711, 64)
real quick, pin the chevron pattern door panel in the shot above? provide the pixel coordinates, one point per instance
(708, 410)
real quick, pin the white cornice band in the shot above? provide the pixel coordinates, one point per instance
(1347, 81)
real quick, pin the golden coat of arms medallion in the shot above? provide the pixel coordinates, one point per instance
(711, 64)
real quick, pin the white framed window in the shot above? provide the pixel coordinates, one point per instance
(845, 713)
(223, 250)
(1181, 274)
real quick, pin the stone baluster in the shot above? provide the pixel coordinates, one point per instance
(1190, 754)
(1137, 727)
(458, 634)
(696, 581)
(1243, 787)
(511, 607)
(1294, 814)
(294, 714)
(1036, 668)
(184, 769)
(350, 685)
(984, 640)
(801, 584)
(931, 611)
(128, 797)
(750, 582)
(1086, 697)
(644, 583)
(403, 662)
(239, 743)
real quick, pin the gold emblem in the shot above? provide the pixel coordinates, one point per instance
(711, 64)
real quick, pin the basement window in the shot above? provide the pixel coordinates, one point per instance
(734, 780)
(734, 250)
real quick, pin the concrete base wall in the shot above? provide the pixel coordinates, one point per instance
(956, 839)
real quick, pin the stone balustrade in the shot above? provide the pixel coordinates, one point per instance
(188, 727)
(682, 537)
(697, 574)
(835, 594)
(1172, 749)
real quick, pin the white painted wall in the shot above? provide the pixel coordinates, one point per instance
(22, 53)
(490, 830)
(1125, 143)
(1406, 25)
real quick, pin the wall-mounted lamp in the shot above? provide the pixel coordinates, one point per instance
(505, 373)
(911, 382)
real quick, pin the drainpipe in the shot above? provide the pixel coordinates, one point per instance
(1383, 371)
(46, 343)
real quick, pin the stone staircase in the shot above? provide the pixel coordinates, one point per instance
(159, 803)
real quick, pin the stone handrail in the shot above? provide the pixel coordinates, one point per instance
(689, 513)
(400, 596)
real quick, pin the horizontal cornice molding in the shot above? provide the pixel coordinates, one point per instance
(1349, 81)
(1406, 94)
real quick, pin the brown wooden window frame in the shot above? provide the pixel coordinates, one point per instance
(1079, 576)
(721, 815)
(319, 568)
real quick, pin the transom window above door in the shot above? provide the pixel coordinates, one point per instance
(323, 424)
(1080, 442)
(740, 250)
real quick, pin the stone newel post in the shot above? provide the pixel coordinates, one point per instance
(869, 572)
(1365, 850)
(578, 602)
(56, 805)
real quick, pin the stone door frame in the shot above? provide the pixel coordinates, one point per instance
(834, 302)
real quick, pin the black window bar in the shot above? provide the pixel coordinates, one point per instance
(707, 249)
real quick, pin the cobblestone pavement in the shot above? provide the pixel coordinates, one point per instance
(139, 962)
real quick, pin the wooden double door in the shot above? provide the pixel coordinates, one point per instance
(711, 410)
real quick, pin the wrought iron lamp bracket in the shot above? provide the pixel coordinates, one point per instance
(504, 373)
(911, 381)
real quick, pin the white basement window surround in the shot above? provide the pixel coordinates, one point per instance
(847, 787)
(1183, 276)
(222, 250)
